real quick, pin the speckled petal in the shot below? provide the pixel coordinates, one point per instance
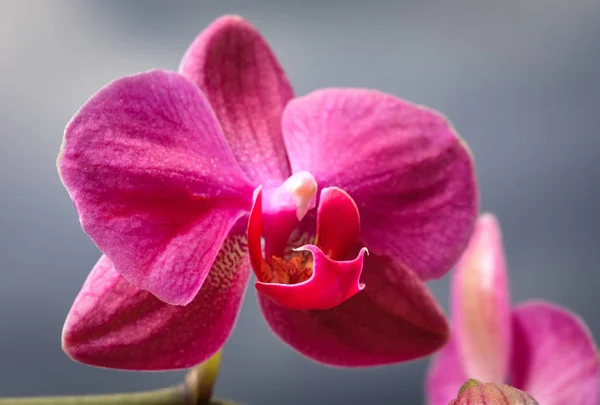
(114, 324)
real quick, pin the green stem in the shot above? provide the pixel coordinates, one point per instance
(197, 390)
(167, 396)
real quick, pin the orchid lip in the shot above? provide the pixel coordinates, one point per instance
(328, 275)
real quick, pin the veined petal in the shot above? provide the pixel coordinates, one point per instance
(247, 88)
(394, 319)
(480, 305)
(554, 355)
(114, 324)
(331, 283)
(445, 375)
(154, 182)
(410, 175)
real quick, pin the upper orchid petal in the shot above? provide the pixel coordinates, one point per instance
(154, 181)
(480, 305)
(247, 88)
(114, 324)
(554, 356)
(445, 375)
(394, 319)
(412, 178)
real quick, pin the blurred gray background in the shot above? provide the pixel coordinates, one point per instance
(519, 79)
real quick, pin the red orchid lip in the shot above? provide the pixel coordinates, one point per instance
(331, 283)
(321, 281)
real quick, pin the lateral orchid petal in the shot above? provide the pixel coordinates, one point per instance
(247, 88)
(114, 324)
(411, 176)
(555, 357)
(395, 318)
(481, 305)
(154, 182)
(445, 375)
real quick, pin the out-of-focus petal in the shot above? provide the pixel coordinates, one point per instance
(248, 90)
(114, 324)
(492, 394)
(445, 375)
(395, 318)
(154, 181)
(554, 356)
(410, 175)
(480, 305)
(331, 283)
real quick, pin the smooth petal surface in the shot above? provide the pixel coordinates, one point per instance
(554, 356)
(114, 324)
(247, 88)
(395, 318)
(480, 305)
(338, 223)
(410, 175)
(445, 375)
(331, 283)
(154, 181)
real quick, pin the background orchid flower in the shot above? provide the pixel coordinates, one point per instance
(186, 181)
(538, 347)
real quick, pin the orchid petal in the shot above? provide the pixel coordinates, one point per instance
(395, 318)
(445, 375)
(154, 182)
(247, 88)
(338, 223)
(114, 324)
(331, 283)
(554, 355)
(480, 305)
(410, 175)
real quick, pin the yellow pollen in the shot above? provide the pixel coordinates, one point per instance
(293, 271)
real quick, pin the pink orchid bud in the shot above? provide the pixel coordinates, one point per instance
(474, 392)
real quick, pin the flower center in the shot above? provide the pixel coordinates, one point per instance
(320, 277)
(281, 211)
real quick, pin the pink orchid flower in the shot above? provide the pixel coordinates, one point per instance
(537, 347)
(187, 181)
